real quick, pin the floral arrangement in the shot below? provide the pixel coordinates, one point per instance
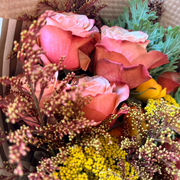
(97, 99)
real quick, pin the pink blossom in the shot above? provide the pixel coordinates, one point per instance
(105, 97)
(78, 24)
(69, 35)
(120, 51)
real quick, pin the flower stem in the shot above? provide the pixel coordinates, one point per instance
(35, 101)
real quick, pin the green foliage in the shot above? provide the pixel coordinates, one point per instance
(165, 40)
(170, 67)
(177, 96)
(170, 46)
(139, 13)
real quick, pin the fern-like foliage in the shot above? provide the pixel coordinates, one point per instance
(139, 16)
(169, 46)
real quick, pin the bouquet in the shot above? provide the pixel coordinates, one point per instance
(96, 99)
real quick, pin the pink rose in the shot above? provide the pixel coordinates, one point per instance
(78, 24)
(170, 80)
(69, 35)
(119, 33)
(105, 97)
(121, 56)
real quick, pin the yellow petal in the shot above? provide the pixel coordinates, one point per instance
(150, 93)
(161, 94)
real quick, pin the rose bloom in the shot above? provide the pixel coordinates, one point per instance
(121, 56)
(170, 80)
(69, 35)
(105, 97)
(150, 90)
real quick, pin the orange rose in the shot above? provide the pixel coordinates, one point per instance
(105, 97)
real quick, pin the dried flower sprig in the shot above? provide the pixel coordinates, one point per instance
(29, 38)
(154, 152)
(20, 139)
(87, 8)
(8, 168)
(84, 7)
(2, 136)
(49, 165)
(157, 6)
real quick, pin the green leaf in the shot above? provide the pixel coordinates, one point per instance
(177, 96)
(139, 93)
(155, 33)
(171, 66)
(171, 47)
(172, 43)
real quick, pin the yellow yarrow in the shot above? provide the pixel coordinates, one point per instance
(151, 107)
(152, 104)
(170, 100)
(90, 164)
(168, 107)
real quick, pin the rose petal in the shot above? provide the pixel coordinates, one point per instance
(95, 85)
(55, 42)
(128, 49)
(72, 60)
(122, 91)
(103, 104)
(58, 43)
(91, 113)
(133, 76)
(170, 80)
(71, 23)
(144, 44)
(174, 76)
(88, 47)
(101, 53)
(84, 60)
(151, 59)
(119, 33)
(170, 85)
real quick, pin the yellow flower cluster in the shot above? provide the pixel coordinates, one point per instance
(151, 106)
(166, 109)
(90, 164)
(170, 100)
